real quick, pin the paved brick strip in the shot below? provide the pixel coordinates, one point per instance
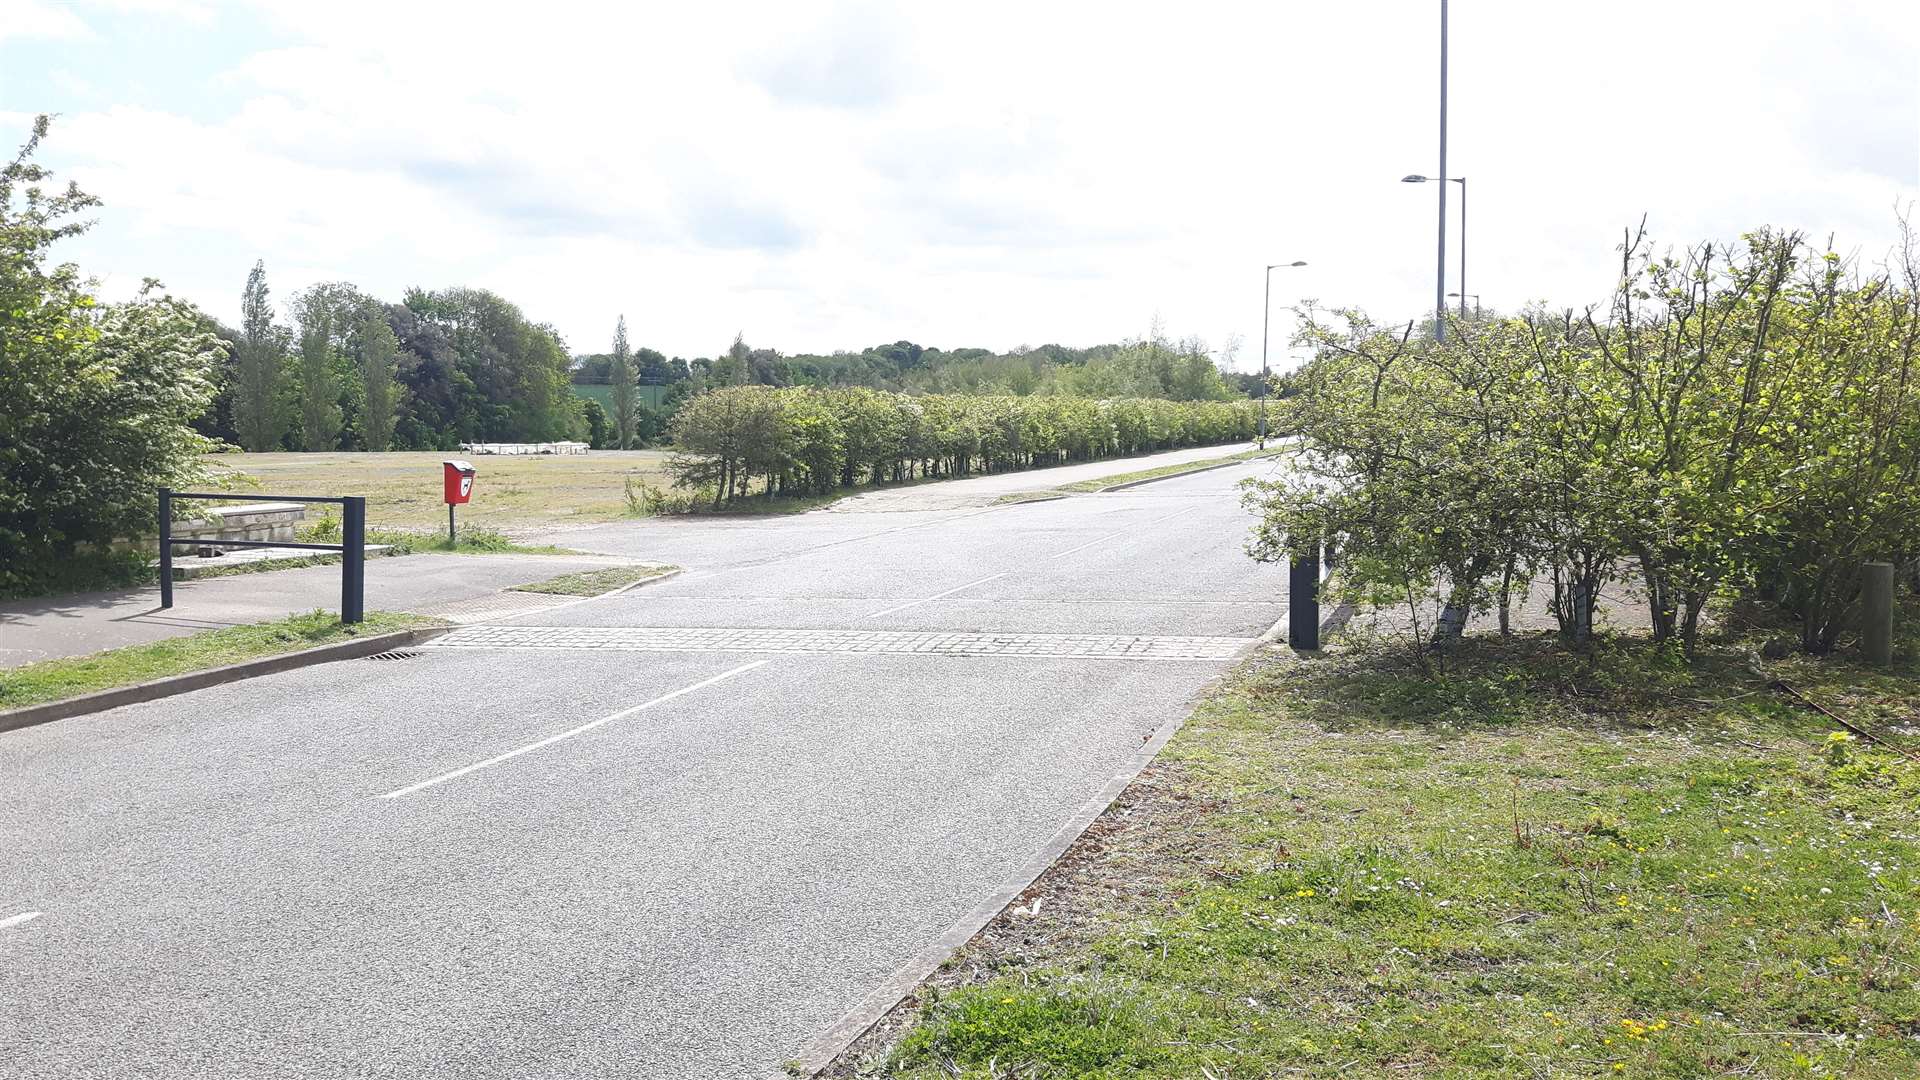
(918, 643)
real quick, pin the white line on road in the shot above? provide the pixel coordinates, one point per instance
(23, 917)
(1122, 532)
(551, 739)
(935, 596)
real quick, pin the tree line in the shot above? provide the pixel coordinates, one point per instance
(1738, 422)
(350, 372)
(1150, 366)
(811, 441)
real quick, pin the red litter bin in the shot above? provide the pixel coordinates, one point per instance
(457, 483)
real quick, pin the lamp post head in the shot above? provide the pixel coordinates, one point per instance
(1413, 178)
(1278, 266)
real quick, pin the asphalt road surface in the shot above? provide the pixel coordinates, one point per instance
(672, 833)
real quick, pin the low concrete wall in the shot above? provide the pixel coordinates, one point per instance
(249, 521)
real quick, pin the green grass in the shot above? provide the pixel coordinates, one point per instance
(53, 680)
(514, 494)
(473, 540)
(1536, 865)
(594, 582)
(1103, 482)
(468, 540)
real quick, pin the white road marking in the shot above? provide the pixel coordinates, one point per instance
(551, 739)
(23, 917)
(1122, 532)
(935, 596)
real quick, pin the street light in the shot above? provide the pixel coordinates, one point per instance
(1440, 255)
(1462, 181)
(1266, 317)
(1463, 301)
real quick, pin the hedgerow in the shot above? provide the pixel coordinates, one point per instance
(807, 441)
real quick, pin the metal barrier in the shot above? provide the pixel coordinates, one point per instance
(352, 546)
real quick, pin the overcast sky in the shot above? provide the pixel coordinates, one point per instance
(831, 176)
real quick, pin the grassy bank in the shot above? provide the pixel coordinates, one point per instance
(52, 680)
(1538, 865)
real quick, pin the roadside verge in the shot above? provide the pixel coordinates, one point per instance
(171, 685)
(189, 656)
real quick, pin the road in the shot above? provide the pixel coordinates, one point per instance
(673, 833)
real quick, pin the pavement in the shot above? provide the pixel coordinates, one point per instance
(32, 630)
(673, 833)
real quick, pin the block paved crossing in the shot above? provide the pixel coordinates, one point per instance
(714, 639)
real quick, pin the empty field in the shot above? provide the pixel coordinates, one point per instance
(511, 494)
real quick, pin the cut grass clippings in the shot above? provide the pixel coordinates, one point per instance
(54, 680)
(594, 582)
(1537, 865)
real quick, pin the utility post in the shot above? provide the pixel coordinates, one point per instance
(1440, 260)
(1876, 612)
(1303, 598)
(1266, 317)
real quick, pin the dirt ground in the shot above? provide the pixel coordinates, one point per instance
(516, 495)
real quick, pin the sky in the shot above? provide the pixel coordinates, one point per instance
(824, 176)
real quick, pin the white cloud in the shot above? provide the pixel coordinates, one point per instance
(25, 20)
(988, 173)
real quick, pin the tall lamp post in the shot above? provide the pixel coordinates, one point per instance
(1462, 294)
(1440, 256)
(1463, 301)
(1266, 319)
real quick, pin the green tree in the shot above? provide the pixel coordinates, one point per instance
(317, 384)
(260, 366)
(379, 352)
(621, 377)
(97, 403)
(599, 431)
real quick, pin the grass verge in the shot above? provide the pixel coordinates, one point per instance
(53, 680)
(1536, 865)
(1100, 483)
(594, 582)
(468, 540)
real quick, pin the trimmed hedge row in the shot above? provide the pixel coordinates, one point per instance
(808, 441)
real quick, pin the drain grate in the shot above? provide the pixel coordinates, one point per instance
(393, 654)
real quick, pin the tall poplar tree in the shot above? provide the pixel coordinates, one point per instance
(379, 352)
(319, 391)
(260, 363)
(625, 394)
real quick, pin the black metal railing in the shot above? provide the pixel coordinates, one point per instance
(352, 546)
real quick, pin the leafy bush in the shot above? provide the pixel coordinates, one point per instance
(96, 400)
(1739, 420)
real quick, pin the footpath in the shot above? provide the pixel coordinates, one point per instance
(427, 584)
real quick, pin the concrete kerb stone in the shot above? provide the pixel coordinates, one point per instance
(199, 680)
